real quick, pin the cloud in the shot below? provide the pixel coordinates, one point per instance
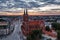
(49, 7)
(57, 0)
(42, 4)
(3, 4)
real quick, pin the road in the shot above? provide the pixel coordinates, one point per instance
(15, 35)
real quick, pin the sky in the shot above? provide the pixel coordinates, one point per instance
(13, 5)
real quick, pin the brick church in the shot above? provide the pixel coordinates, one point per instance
(29, 25)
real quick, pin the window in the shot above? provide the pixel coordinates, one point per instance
(3, 26)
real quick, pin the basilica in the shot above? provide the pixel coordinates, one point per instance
(29, 25)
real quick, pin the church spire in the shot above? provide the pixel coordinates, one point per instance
(25, 12)
(25, 16)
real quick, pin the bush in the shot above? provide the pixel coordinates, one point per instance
(36, 35)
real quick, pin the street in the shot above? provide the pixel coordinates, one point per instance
(15, 35)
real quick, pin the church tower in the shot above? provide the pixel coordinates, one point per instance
(25, 21)
(25, 16)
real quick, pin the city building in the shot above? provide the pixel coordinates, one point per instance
(29, 25)
(4, 27)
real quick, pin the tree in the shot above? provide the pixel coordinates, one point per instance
(56, 26)
(49, 39)
(35, 35)
(58, 34)
(47, 28)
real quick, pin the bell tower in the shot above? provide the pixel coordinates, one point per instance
(25, 16)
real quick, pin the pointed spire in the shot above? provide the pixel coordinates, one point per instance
(25, 16)
(25, 11)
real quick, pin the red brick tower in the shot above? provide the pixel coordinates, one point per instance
(25, 16)
(25, 22)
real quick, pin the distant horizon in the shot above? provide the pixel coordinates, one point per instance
(46, 13)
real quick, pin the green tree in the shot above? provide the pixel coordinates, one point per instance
(58, 34)
(47, 28)
(56, 26)
(36, 35)
(49, 39)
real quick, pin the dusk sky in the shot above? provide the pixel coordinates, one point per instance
(39, 4)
